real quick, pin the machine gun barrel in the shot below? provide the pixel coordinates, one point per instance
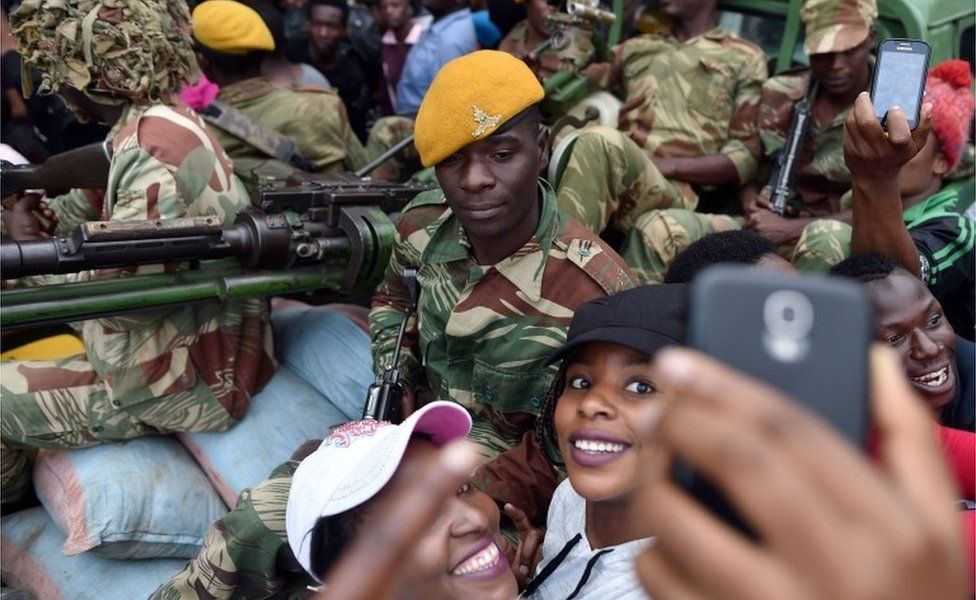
(334, 235)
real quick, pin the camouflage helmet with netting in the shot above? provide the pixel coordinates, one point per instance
(114, 51)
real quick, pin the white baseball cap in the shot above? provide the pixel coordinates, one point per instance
(354, 463)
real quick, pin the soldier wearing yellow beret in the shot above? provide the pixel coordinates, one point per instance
(231, 41)
(501, 269)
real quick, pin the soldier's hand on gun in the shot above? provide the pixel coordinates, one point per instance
(26, 218)
(779, 230)
(526, 556)
(832, 524)
(872, 153)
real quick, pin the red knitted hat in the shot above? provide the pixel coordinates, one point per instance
(949, 89)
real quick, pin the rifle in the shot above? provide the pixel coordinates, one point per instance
(336, 235)
(85, 167)
(782, 180)
(385, 394)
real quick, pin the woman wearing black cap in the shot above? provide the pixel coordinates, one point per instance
(601, 400)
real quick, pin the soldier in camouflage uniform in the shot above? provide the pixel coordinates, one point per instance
(527, 35)
(232, 39)
(488, 314)
(689, 118)
(839, 39)
(191, 368)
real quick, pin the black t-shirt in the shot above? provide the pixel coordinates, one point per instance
(349, 79)
(944, 240)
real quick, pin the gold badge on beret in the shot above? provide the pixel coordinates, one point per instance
(484, 121)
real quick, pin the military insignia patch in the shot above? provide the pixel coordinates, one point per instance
(484, 121)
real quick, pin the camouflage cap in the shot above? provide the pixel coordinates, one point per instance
(114, 51)
(836, 25)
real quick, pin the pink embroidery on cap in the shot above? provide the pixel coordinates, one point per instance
(346, 434)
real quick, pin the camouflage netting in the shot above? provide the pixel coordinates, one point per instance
(112, 50)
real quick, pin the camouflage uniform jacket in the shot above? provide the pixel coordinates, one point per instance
(822, 176)
(483, 331)
(516, 43)
(313, 117)
(164, 165)
(693, 98)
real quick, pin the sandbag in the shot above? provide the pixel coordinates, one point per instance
(146, 498)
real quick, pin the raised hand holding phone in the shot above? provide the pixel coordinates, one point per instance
(833, 525)
(899, 79)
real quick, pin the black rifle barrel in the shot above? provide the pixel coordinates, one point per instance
(782, 185)
(258, 240)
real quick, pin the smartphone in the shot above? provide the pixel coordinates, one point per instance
(807, 336)
(899, 78)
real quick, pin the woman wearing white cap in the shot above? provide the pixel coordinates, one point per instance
(335, 489)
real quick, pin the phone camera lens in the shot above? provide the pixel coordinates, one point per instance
(788, 317)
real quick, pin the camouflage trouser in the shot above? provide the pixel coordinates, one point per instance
(63, 404)
(823, 244)
(608, 182)
(385, 134)
(245, 554)
(659, 235)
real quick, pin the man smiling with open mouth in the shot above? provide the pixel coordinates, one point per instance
(938, 363)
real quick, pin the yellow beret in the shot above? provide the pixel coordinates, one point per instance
(469, 99)
(231, 27)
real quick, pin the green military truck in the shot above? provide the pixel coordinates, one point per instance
(947, 25)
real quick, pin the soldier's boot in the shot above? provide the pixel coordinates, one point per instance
(386, 133)
(822, 244)
(608, 181)
(659, 235)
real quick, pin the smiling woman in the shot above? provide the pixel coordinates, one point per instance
(360, 466)
(602, 399)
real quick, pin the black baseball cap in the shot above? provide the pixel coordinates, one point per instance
(644, 319)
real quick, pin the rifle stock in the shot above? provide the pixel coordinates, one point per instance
(85, 167)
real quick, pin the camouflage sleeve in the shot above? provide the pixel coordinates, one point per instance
(76, 207)
(743, 147)
(245, 554)
(387, 311)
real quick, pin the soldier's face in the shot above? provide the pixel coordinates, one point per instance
(686, 9)
(843, 73)
(460, 556)
(911, 321)
(492, 187)
(326, 28)
(535, 13)
(608, 396)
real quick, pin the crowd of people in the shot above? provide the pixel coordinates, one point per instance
(546, 392)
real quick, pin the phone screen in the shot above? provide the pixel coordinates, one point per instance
(899, 83)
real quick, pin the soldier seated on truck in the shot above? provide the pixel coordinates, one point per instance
(256, 120)
(188, 368)
(688, 119)
(839, 39)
